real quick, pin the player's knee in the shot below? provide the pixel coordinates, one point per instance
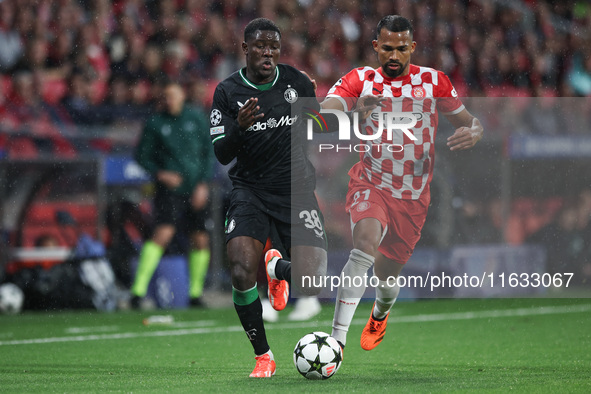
(311, 290)
(309, 272)
(242, 276)
(367, 245)
(367, 235)
(310, 284)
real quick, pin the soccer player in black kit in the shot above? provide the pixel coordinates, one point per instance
(252, 122)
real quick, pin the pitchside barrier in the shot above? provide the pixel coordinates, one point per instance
(34, 190)
(169, 287)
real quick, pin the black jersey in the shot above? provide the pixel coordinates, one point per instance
(266, 154)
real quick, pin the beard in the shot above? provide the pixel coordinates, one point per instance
(394, 73)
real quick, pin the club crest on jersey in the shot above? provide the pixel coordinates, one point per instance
(363, 206)
(215, 117)
(231, 226)
(418, 92)
(290, 95)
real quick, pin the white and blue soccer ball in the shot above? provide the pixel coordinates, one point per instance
(11, 298)
(317, 356)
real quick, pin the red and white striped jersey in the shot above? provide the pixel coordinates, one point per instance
(407, 169)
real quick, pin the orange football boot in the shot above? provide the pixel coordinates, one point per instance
(373, 332)
(278, 289)
(265, 367)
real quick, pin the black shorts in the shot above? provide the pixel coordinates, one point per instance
(176, 209)
(297, 219)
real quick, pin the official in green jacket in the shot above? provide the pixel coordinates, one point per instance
(175, 149)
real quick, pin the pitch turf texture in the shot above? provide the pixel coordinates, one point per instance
(524, 345)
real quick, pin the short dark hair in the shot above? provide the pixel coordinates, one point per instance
(394, 23)
(259, 24)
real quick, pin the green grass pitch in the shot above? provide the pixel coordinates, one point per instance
(523, 345)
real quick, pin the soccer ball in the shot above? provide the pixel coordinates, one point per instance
(317, 356)
(11, 298)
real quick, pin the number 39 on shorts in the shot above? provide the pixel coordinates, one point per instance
(357, 196)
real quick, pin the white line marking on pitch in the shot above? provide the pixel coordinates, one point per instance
(200, 323)
(548, 310)
(98, 329)
(86, 330)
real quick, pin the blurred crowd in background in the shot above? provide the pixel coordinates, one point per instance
(77, 63)
(80, 76)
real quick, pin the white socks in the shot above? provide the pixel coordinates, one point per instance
(271, 267)
(348, 295)
(385, 298)
(270, 353)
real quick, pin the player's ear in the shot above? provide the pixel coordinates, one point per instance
(374, 43)
(244, 47)
(413, 46)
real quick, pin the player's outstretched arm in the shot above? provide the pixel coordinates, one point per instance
(468, 131)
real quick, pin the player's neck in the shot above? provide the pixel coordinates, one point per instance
(257, 79)
(259, 84)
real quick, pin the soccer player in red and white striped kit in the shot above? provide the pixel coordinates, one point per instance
(388, 194)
